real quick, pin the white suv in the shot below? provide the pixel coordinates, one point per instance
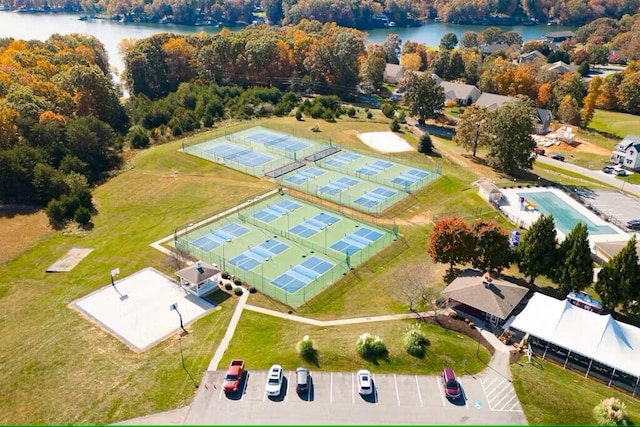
(274, 381)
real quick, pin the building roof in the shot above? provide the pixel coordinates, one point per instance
(491, 101)
(531, 55)
(459, 90)
(560, 67)
(599, 337)
(627, 142)
(559, 34)
(611, 249)
(198, 272)
(394, 72)
(489, 187)
(499, 298)
(492, 48)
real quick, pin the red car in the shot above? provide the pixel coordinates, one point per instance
(539, 150)
(451, 385)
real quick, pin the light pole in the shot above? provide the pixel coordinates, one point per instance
(223, 262)
(184, 366)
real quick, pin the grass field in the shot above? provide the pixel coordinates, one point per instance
(614, 123)
(553, 396)
(58, 367)
(277, 338)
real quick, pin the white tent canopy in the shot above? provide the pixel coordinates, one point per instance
(598, 337)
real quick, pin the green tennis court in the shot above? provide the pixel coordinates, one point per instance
(287, 248)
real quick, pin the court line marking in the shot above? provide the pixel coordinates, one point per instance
(397, 394)
(444, 404)
(419, 394)
(331, 390)
(353, 391)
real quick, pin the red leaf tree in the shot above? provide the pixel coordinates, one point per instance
(452, 241)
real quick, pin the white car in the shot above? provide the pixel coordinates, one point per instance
(365, 382)
(274, 381)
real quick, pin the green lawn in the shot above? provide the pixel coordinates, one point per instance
(276, 340)
(619, 124)
(552, 395)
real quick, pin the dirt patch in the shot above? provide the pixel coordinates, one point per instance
(20, 229)
(583, 146)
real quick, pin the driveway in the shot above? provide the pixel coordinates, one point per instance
(334, 399)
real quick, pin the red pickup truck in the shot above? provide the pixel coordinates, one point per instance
(234, 376)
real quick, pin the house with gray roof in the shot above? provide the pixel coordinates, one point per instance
(462, 93)
(393, 73)
(626, 152)
(527, 58)
(560, 67)
(486, 298)
(492, 101)
(558, 36)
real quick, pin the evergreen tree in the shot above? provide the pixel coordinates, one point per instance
(575, 271)
(619, 279)
(426, 144)
(537, 250)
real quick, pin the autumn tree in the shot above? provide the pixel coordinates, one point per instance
(629, 92)
(511, 126)
(491, 246)
(413, 285)
(392, 45)
(451, 241)
(423, 94)
(471, 130)
(589, 107)
(568, 111)
(469, 39)
(537, 251)
(619, 280)
(575, 271)
(448, 41)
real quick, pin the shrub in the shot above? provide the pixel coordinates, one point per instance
(82, 216)
(56, 212)
(426, 145)
(402, 116)
(228, 286)
(371, 347)
(237, 282)
(298, 115)
(415, 342)
(351, 112)
(306, 351)
(238, 291)
(395, 125)
(612, 412)
(369, 114)
(252, 290)
(388, 110)
(329, 115)
(138, 137)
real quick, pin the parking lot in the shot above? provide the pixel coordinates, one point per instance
(620, 207)
(333, 398)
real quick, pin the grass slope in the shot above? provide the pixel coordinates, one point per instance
(615, 123)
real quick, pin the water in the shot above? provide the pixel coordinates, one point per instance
(28, 26)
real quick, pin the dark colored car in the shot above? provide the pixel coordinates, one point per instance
(608, 169)
(302, 379)
(633, 224)
(558, 156)
(451, 385)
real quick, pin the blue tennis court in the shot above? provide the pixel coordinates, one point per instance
(256, 255)
(375, 196)
(216, 237)
(239, 154)
(274, 211)
(356, 241)
(342, 158)
(311, 226)
(374, 168)
(409, 177)
(285, 142)
(336, 186)
(303, 273)
(305, 175)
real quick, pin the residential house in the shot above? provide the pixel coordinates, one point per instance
(393, 73)
(558, 36)
(491, 101)
(462, 93)
(489, 49)
(560, 67)
(529, 57)
(477, 294)
(605, 251)
(625, 153)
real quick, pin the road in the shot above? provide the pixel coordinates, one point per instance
(598, 175)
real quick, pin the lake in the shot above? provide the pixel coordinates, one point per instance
(29, 26)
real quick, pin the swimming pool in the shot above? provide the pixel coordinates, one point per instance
(564, 215)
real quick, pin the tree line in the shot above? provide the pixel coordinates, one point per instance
(485, 245)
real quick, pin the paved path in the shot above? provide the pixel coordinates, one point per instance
(231, 329)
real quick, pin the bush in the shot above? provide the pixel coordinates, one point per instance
(298, 116)
(56, 212)
(415, 342)
(306, 351)
(426, 145)
(225, 275)
(371, 347)
(369, 114)
(351, 112)
(388, 110)
(395, 125)
(228, 286)
(611, 412)
(329, 115)
(82, 216)
(138, 137)
(402, 116)
(237, 282)
(252, 290)
(238, 291)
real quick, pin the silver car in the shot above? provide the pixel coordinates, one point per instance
(274, 381)
(365, 382)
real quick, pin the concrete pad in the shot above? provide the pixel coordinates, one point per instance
(137, 310)
(69, 260)
(385, 142)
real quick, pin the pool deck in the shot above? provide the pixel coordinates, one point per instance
(510, 206)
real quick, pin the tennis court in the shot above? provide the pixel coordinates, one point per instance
(385, 172)
(288, 248)
(243, 155)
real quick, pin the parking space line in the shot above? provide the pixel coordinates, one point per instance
(353, 391)
(504, 397)
(485, 385)
(419, 394)
(514, 405)
(502, 389)
(221, 392)
(507, 402)
(444, 404)
(375, 389)
(286, 390)
(396, 383)
(331, 389)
